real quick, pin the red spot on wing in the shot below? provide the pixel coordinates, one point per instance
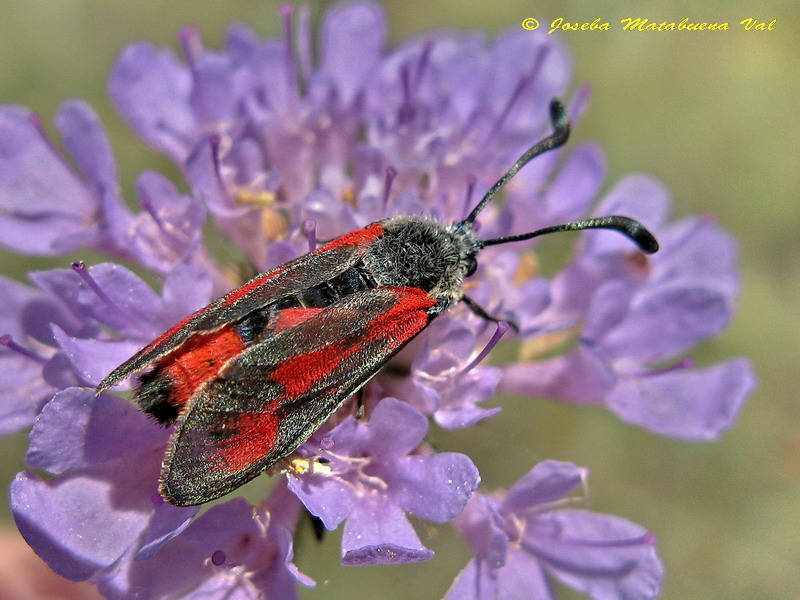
(408, 315)
(359, 237)
(289, 317)
(253, 436)
(200, 359)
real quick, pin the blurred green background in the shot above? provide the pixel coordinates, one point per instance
(713, 114)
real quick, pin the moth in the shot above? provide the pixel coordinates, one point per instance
(253, 375)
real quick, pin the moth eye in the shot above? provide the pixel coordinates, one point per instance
(472, 266)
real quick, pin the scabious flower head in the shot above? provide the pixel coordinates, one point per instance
(280, 146)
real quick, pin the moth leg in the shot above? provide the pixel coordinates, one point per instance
(481, 312)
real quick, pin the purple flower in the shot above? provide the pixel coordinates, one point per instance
(107, 491)
(634, 321)
(370, 479)
(280, 147)
(527, 537)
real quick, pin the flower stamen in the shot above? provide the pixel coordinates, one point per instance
(8, 341)
(523, 83)
(80, 268)
(291, 59)
(391, 173)
(407, 111)
(310, 229)
(499, 332)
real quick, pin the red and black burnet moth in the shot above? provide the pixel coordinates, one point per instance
(252, 376)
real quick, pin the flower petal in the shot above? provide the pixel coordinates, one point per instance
(41, 201)
(523, 577)
(92, 359)
(580, 376)
(353, 37)
(328, 498)
(476, 581)
(663, 322)
(76, 429)
(379, 533)
(152, 91)
(689, 404)
(547, 483)
(48, 513)
(600, 555)
(434, 487)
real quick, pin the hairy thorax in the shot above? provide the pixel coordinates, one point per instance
(420, 252)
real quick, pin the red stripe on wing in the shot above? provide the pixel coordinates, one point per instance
(289, 317)
(255, 435)
(200, 359)
(402, 321)
(359, 237)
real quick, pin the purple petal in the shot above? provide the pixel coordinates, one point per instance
(609, 306)
(448, 343)
(49, 513)
(476, 581)
(92, 359)
(483, 527)
(574, 188)
(463, 415)
(523, 577)
(203, 173)
(151, 89)
(332, 217)
(127, 305)
(76, 429)
(693, 405)
(696, 251)
(183, 564)
(281, 578)
(395, 428)
(169, 231)
(579, 377)
(577, 184)
(227, 587)
(88, 144)
(663, 322)
(513, 58)
(279, 252)
(22, 392)
(187, 288)
(458, 405)
(167, 522)
(42, 202)
(328, 498)
(353, 37)
(600, 555)
(434, 487)
(547, 483)
(217, 93)
(379, 533)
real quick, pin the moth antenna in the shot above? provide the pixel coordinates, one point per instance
(625, 225)
(558, 118)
